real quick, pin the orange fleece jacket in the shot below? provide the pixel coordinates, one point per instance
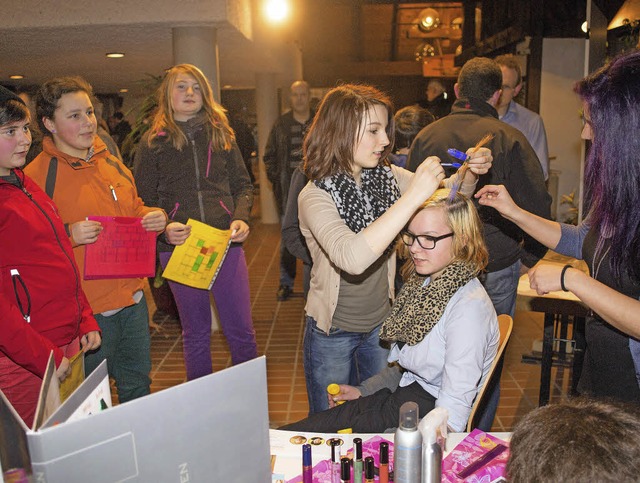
(83, 188)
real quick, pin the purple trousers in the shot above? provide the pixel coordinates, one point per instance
(231, 294)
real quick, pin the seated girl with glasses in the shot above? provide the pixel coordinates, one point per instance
(442, 326)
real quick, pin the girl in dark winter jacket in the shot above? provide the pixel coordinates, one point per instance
(190, 165)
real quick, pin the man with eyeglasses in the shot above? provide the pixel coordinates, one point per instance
(518, 116)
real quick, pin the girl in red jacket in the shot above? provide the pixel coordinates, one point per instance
(42, 303)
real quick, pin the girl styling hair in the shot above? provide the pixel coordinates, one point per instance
(336, 129)
(218, 129)
(468, 242)
(612, 174)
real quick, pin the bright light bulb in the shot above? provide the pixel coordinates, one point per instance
(584, 26)
(276, 10)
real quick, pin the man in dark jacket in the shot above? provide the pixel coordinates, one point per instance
(515, 165)
(282, 156)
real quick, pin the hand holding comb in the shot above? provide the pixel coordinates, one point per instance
(462, 170)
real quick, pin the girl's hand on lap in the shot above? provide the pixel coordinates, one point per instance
(347, 393)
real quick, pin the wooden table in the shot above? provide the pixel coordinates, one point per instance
(560, 309)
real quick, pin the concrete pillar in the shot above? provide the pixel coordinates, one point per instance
(198, 46)
(295, 53)
(267, 112)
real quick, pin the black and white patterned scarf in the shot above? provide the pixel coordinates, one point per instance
(417, 309)
(359, 206)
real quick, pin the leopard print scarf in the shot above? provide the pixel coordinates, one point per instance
(418, 309)
(359, 206)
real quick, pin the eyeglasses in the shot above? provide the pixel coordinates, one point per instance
(427, 242)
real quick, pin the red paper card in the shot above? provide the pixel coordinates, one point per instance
(124, 249)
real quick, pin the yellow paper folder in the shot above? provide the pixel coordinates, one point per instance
(196, 262)
(75, 377)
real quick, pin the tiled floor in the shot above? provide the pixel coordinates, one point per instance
(279, 328)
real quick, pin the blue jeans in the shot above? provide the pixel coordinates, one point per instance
(341, 357)
(502, 287)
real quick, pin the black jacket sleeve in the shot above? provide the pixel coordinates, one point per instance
(291, 235)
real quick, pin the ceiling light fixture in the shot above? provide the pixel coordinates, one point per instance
(276, 10)
(428, 20)
(115, 55)
(123, 90)
(16, 77)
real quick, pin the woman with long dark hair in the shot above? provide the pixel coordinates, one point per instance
(609, 238)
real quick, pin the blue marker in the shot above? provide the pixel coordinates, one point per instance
(451, 165)
(458, 154)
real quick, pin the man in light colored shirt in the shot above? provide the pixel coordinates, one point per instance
(523, 119)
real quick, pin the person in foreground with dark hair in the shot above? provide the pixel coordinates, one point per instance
(609, 238)
(575, 442)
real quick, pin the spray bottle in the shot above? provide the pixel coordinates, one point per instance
(407, 446)
(434, 433)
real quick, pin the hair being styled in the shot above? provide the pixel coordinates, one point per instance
(479, 78)
(462, 218)
(329, 146)
(217, 124)
(510, 62)
(50, 93)
(409, 122)
(612, 171)
(576, 441)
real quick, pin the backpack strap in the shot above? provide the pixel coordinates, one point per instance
(52, 173)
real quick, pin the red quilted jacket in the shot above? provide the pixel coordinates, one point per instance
(42, 305)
